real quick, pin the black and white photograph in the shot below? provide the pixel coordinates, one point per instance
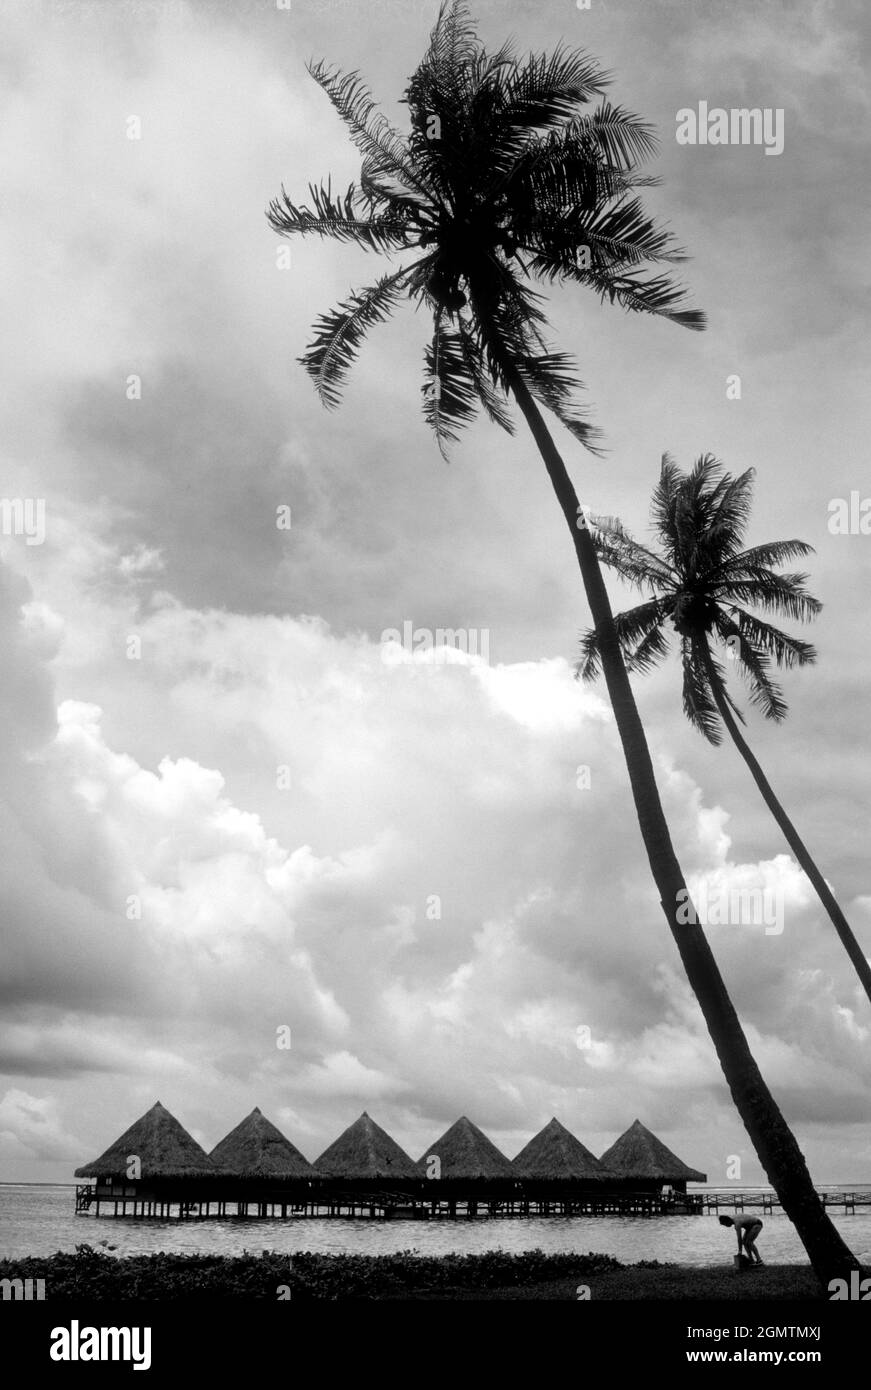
(435, 573)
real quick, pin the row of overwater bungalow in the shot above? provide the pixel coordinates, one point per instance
(157, 1169)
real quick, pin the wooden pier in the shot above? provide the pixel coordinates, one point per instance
(727, 1199)
(322, 1201)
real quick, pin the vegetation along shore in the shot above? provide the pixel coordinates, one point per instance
(533, 1275)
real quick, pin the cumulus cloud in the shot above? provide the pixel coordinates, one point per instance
(436, 921)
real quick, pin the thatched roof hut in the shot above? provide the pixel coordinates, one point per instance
(556, 1155)
(366, 1151)
(464, 1151)
(162, 1145)
(639, 1154)
(256, 1149)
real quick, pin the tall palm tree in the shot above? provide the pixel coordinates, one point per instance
(503, 178)
(700, 582)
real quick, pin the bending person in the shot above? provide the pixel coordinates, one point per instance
(747, 1229)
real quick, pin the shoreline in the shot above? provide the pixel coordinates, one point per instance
(494, 1276)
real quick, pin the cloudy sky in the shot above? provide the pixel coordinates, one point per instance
(396, 861)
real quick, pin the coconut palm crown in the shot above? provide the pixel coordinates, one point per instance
(503, 179)
(702, 583)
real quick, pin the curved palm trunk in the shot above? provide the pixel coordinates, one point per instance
(772, 1138)
(793, 839)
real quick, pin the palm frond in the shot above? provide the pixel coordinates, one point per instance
(649, 652)
(619, 234)
(658, 295)
(764, 693)
(643, 641)
(787, 651)
(551, 379)
(509, 308)
(340, 333)
(535, 96)
(731, 504)
(510, 324)
(452, 50)
(453, 41)
(547, 89)
(457, 84)
(338, 218)
(641, 635)
(589, 667)
(688, 535)
(698, 701)
(773, 593)
(662, 502)
(508, 319)
(383, 197)
(610, 140)
(555, 174)
(450, 399)
(770, 553)
(494, 406)
(370, 129)
(754, 665)
(624, 139)
(633, 561)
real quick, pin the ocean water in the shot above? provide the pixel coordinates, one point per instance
(41, 1219)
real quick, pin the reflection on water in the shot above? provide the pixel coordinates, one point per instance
(41, 1220)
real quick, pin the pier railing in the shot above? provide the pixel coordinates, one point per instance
(736, 1199)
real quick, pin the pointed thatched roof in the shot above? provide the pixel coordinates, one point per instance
(163, 1146)
(555, 1153)
(465, 1152)
(639, 1154)
(256, 1149)
(365, 1150)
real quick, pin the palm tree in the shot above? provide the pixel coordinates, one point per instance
(505, 178)
(700, 581)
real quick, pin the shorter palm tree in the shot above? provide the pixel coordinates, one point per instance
(702, 582)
